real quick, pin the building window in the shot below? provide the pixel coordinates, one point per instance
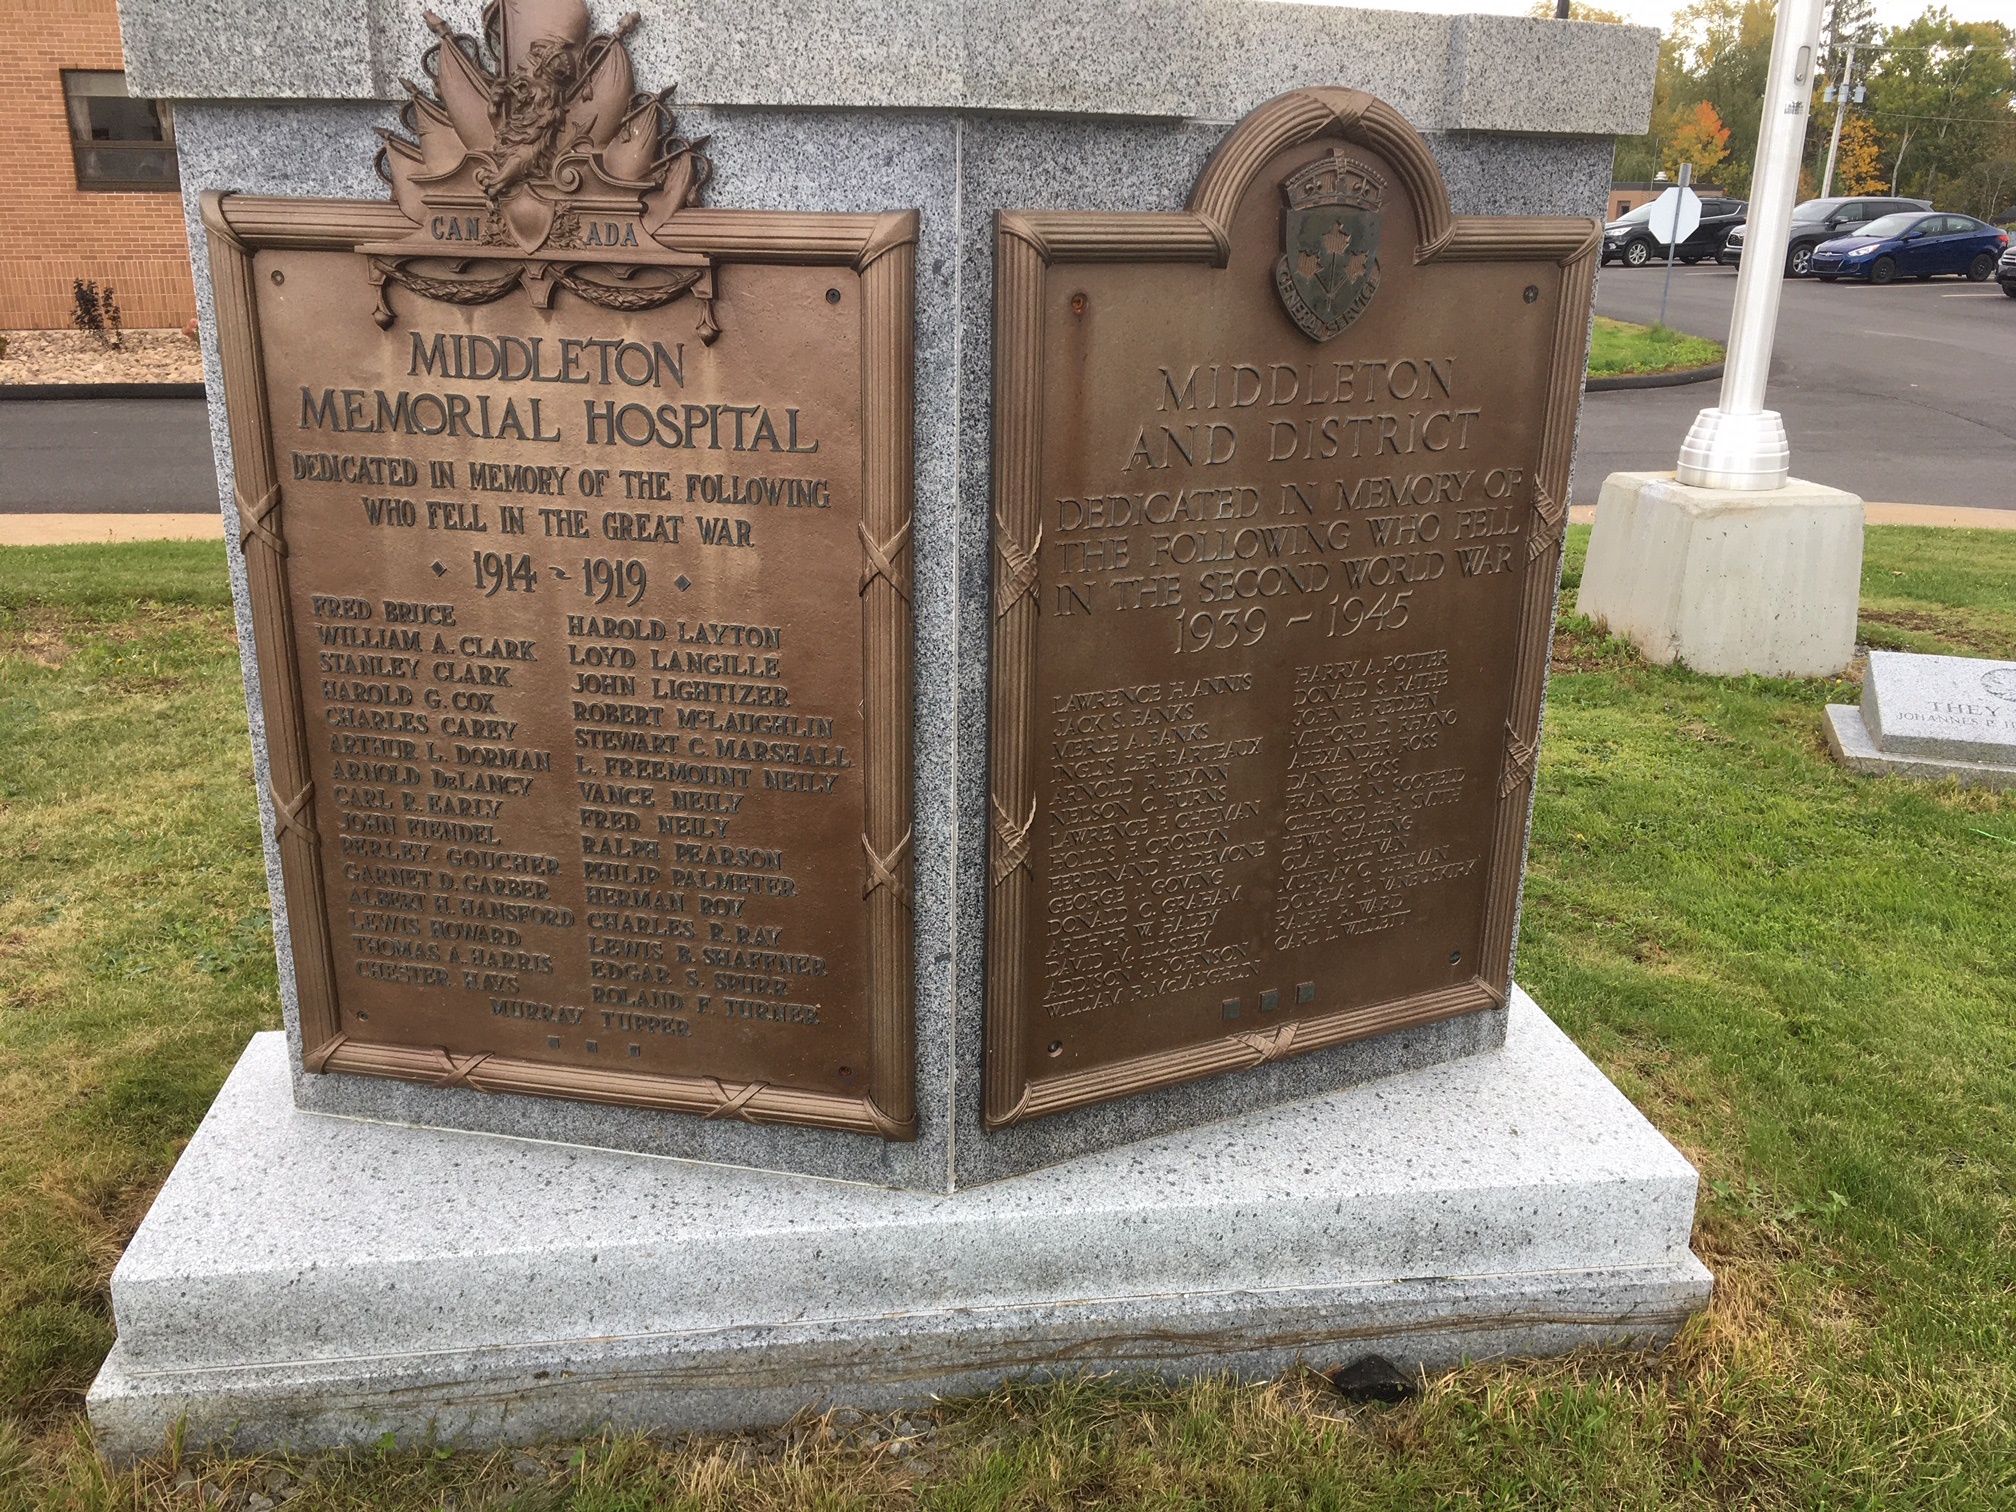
(1623, 205)
(118, 142)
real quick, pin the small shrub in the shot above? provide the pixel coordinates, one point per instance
(96, 313)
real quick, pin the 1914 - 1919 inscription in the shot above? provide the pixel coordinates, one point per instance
(1280, 485)
(577, 520)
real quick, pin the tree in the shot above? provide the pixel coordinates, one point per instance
(1577, 11)
(1690, 49)
(1857, 169)
(1987, 190)
(1940, 96)
(1725, 51)
(1701, 139)
(1847, 21)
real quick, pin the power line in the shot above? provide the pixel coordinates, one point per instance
(1904, 115)
(1902, 47)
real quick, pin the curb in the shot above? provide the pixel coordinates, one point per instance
(101, 391)
(1652, 380)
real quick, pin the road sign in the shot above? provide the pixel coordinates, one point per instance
(1675, 214)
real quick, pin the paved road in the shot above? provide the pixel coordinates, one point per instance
(105, 456)
(1904, 394)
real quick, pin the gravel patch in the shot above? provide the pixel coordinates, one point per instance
(78, 357)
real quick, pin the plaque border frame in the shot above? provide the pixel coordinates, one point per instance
(881, 247)
(1027, 243)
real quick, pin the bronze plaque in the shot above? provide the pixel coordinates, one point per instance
(1280, 484)
(577, 523)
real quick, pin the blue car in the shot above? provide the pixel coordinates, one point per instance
(1912, 245)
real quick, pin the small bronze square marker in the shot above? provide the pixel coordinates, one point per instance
(552, 1042)
(1230, 1007)
(1305, 992)
(1270, 1000)
(636, 1049)
(591, 1047)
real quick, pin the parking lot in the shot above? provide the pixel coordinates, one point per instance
(1903, 394)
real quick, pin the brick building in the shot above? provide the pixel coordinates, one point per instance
(1629, 196)
(88, 174)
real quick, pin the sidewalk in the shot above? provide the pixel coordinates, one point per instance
(71, 529)
(1886, 514)
(66, 529)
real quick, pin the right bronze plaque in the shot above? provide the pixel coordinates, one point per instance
(1280, 484)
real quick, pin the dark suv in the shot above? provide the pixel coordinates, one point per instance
(1629, 239)
(1821, 220)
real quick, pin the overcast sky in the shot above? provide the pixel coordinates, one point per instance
(1659, 12)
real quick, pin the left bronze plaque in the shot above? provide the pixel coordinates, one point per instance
(576, 517)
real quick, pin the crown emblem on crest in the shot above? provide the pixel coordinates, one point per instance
(1329, 266)
(1335, 180)
(534, 162)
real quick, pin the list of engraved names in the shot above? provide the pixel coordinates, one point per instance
(581, 651)
(1276, 618)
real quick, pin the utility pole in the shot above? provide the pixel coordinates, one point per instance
(1840, 112)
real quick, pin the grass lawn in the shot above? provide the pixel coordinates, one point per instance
(1804, 978)
(1617, 347)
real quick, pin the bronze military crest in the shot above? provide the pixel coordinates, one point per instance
(1329, 267)
(541, 168)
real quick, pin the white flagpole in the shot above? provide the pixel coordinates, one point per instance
(1739, 444)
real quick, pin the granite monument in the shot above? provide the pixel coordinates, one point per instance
(911, 286)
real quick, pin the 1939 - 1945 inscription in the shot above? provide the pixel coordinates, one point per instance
(1280, 485)
(577, 520)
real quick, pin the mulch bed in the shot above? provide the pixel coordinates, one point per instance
(78, 357)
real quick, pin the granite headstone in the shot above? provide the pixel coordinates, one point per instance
(1930, 716)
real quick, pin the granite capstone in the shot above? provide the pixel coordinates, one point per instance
(1210, 60)
(306, 1280)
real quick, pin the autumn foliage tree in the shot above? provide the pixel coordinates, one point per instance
(1858, 167)
(1700, 139)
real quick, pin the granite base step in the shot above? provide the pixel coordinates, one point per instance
(1849, 739)
(305, 1280)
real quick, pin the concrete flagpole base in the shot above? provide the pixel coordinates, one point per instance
(1727, 581)
(308, 1280)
